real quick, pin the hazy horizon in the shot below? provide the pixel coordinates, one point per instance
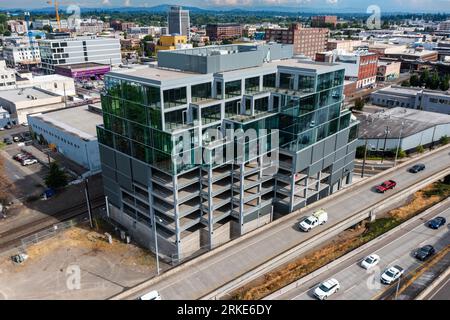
(436, 6)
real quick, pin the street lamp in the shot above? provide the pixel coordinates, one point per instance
(386, 131)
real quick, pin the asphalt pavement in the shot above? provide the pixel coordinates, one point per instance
(357, 283)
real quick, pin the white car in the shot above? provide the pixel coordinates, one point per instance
(152, 295)
(326, 289)
(317, 218)
(391, 274)
(28, 162)
(370, 261)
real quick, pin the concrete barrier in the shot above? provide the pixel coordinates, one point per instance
(293, 216)
(324, 235)
(355, 252)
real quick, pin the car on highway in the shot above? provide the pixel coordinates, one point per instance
(28, 162)
(326, 289)
(437, 222)
(425, 252)
(370, 261)
(317, 218)
(152, 295)
(417, 168)
(391, 274)
(385, 186)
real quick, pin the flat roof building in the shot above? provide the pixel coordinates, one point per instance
(407, 128)
(414, 98)
(73, 133)
(84, 70)
(21, 102)
(165, 127)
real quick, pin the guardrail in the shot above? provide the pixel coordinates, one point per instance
(312, 275)
(144, 285)
(320, 237)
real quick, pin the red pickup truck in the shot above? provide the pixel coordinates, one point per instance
(385, 186)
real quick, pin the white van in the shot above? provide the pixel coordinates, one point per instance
(152, 295)
(317, 218)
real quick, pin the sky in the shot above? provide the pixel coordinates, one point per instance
(359, 5)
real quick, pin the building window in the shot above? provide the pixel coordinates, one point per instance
(175, 97)
(201, 92)
(233, 89)
(269, 81)
(287, 81)
(252, 85)
(232, 108)
(211, 114)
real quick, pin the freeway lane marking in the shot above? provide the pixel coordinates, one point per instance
(436, 291)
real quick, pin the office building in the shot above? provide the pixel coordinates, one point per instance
(388, 70)
(64, 51)
(345, 45)
(223, 31)
(172, 42)
(306, 41)
(179, 22)
(323, 21)
(7, 76)
(360, 66)
(83, 71)
(414, 98)
(21, 55)
(302, 148)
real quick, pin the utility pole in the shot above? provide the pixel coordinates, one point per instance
(398, 287)
(398, 144)
(88, 201)
(156, 245)
(386, 131)
(365, 158)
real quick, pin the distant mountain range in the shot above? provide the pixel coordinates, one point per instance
(217, 10)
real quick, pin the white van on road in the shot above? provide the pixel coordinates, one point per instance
(317, 218)
(152, 295)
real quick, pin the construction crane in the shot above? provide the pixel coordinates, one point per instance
(56, 4)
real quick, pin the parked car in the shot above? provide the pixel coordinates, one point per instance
(417, 168)
(437, 222)
(425, 252)
(7, 141)
(370, 261)
(385, 186)
(326, 289)
(152, 295)
(28, 162)
(391, 274)
(16, 138)
(8, 126)
(317, 218)
(48, 193)
(22, 156)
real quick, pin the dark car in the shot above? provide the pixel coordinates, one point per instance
(7, 140)
(437, 222)
(425, 252)
(417, 168)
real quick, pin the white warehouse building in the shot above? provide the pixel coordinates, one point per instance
(73, 133)
(402, 127)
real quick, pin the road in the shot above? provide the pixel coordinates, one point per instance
(206, 275)
(397, 249)
(442, 291)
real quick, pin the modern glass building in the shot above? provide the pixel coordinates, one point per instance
(162, 129)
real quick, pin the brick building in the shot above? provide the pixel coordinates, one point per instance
(323, 21)
(306, 41)
(219, 32)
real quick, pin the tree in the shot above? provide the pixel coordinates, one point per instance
(420, 149)
(47, 28)
(406, 83)
(7, 33)
(359, 104)
(414, 81)
(434, 82)
(444, 140)
(445, 85)
(56, 178)
(424, 77)
(148, 37)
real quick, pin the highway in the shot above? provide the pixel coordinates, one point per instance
(442, 292)
(397, 249)
(214, 270)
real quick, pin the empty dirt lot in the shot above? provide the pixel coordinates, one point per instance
(53, 266)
